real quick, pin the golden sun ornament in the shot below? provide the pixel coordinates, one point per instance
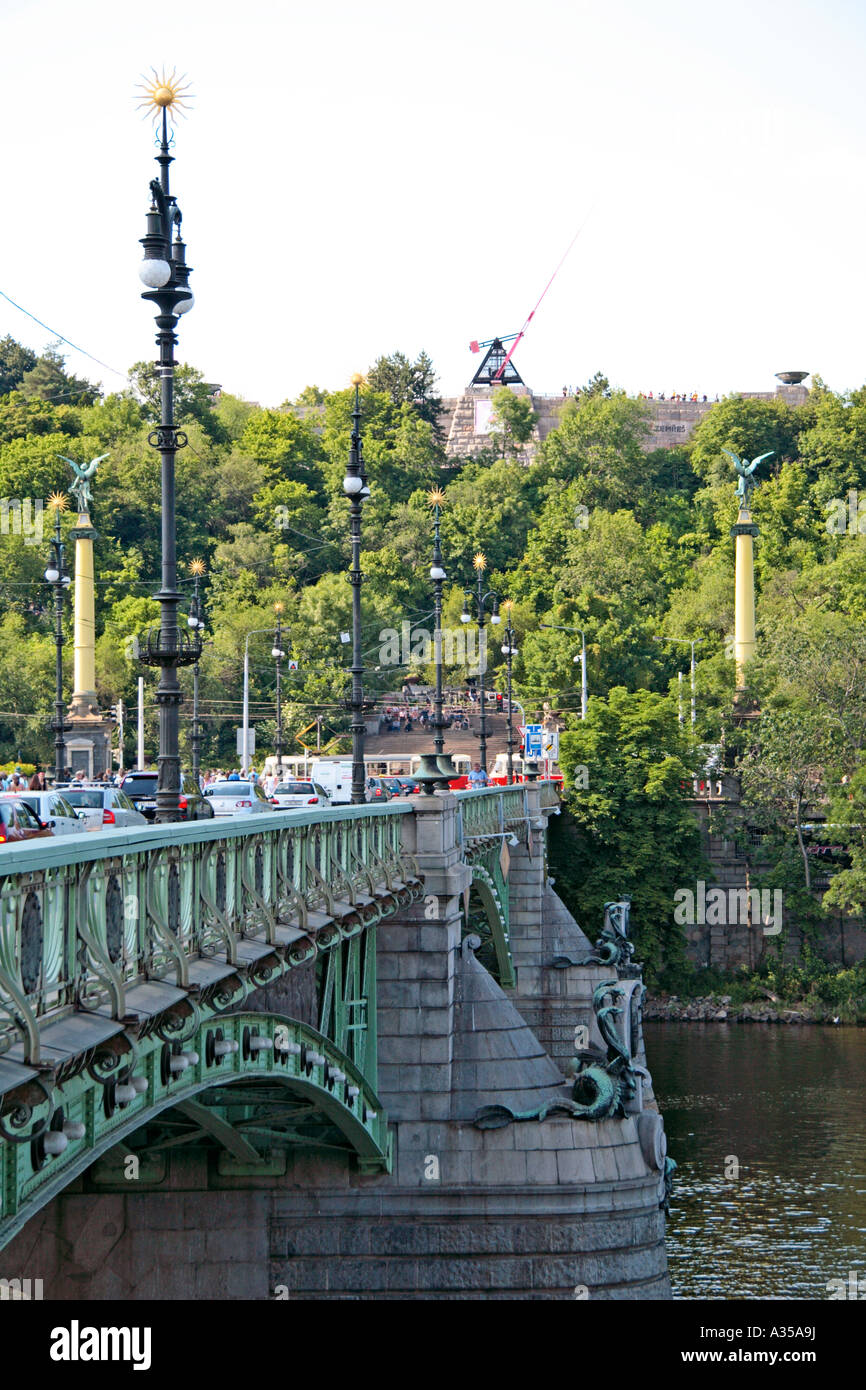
(436, 497)
(164, 92)
(58, 501)
(196, 566)
(480, 560)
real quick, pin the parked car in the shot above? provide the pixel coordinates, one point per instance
(300, 794)
(394, 787)
(378, 789)
(53, 810)
(237, 799)
(115, 805)
(410, 786)
(18, 822)
(140, 787)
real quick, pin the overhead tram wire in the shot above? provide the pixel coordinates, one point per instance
(63, 339)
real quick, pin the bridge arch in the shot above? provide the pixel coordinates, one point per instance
(92, 1113)
(490, 894)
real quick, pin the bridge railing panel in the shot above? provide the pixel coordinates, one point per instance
(85, 919)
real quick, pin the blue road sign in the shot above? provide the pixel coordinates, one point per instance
(532, 741)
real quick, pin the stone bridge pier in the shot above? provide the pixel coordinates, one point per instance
(549, 1207)
(505, 1180)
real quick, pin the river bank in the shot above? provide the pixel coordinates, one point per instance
(719, 1009)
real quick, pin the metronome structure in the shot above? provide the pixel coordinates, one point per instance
(488, 371)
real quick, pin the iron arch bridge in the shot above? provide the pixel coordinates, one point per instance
(492, 823)
(126, 962)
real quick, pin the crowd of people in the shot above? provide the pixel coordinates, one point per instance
(415, 711)
(674, 396)
(570, 391)
(18, 781)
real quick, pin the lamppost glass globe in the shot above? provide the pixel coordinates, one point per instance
(495, 618)
(437, 572)
(66, 581)
(352, 485)
(154, 273)
(184, 305)
(192, 621)
(52, 575)
(275, 652)
(465, 617)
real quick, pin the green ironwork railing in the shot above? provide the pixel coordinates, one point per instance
(86, 919)
(492, 810)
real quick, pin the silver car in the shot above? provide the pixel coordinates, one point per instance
(299, 794)
(114, 805)
(55, 812)
(237, 799)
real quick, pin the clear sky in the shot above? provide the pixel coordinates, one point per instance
(361, 178)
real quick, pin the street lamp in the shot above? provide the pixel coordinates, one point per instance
(509, 651)
(277, 653)
(196, 622)
(356, 489)
(165, 273)
(245, 733)
(59, 580)
(479, 561)
(690, 642)
(437, 770)
(555, 627)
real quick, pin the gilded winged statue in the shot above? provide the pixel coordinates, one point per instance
(83, 473)
(747, 482)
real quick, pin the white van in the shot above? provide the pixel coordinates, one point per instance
(335, 775)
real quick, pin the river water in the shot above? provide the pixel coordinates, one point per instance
(767, 1125)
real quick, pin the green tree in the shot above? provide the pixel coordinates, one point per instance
(514, 420)
(48, 380)
(15, 362)
(599, 446)
(194, 398)
(285, 446)
(408, 383)
(748, 427)
(846, 821)
(628, 772)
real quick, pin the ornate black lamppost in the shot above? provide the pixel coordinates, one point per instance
(480, 563)
(59, 580)
(277, 653)
(509, 651)
(437, 769)
(437, 574)
(195, 621)
(355, 488)
(165, 272)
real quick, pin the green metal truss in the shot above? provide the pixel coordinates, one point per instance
(103, 1106)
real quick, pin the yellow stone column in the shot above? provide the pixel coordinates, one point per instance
(745, 532)
(84, 674)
